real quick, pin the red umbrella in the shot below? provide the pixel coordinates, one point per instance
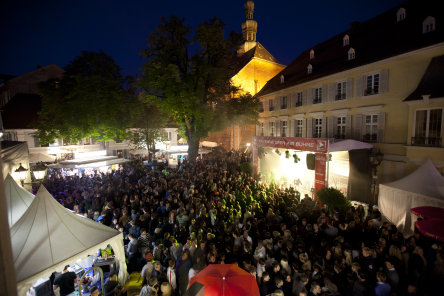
(433, 228)
(428, 212)
(223, 279)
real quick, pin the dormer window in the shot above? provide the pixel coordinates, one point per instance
(351, 54)
(282, 78)
(400, 15)
(345, 40)
(428, 25)
(309, 69)
(312, 54)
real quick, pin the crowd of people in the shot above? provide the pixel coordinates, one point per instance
(177, 221)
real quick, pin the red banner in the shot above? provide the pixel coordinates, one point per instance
(320, 171)
(303, 144)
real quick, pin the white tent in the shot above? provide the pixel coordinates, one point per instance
(423, 187)
(347, 145)
(18, 199)
(47, 237)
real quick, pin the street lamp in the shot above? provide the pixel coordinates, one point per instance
(39, 171)
(21, 172)
(375, 158)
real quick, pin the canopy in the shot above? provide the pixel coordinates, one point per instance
(347, 145)
(423, 187)
(208, 144)
(48, 237)
(18, 200)
(223, 279)
(40, 157)
(427, 212)
(431, 228)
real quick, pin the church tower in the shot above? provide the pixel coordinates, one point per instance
(249, 28)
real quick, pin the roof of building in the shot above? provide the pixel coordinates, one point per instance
(378, 38)
(431, 82)
(258, 51)
(21, 111)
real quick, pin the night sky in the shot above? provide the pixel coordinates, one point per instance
(55, 31)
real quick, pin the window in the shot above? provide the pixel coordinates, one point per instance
(341, 91)
(298, 99)
(428, 128)
(400, 15)
(312, 54)
(282, 78)
(345, 40)
(261, 107)
(317, 128)
(270, 105)
(298, 128)
(317, 95)
(351, 54)
(340, 127)
(284, 128)
(428, 25)
(371, 128)
(262, 126)
(284, 102)
(372, 85)
(271, 128)
(309, 69)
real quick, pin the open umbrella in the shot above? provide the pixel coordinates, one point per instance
(433, 228)
(428, 212)
(223, 279)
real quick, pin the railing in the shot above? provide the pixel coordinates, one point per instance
(298, 104)
(317, 101)
(426, 141)
(340, 97)
(339, 136)
(371, 91)
(317, 135)
(370, 138)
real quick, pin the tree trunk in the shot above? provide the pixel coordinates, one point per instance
(193, 149)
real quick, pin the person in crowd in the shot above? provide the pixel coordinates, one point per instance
(65, 281)
(112, 287)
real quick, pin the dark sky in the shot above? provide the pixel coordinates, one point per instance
(41, 32)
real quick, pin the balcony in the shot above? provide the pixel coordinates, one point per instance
(317, 101)
(340, 97)
(371, 91)
(426, 142)
(370, 138)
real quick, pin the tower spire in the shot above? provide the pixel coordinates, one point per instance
(249, 28)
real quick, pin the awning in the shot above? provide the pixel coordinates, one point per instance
(89, 164)
(40, 157)
(347, 145)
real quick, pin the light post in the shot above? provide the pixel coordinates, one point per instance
(21, 172)
(375, 158)
(39, 171)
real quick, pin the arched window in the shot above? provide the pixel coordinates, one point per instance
(309, 69)
(400, 15)
(282, 78)
(351, 54)
(312, 54)
(345, 40)
(428, 25)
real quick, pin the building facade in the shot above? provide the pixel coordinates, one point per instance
(380, 81)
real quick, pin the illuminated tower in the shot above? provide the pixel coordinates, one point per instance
(249, 28)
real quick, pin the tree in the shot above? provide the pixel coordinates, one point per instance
(147, 127)
(333, 199)
(190, 80)
(91, 100)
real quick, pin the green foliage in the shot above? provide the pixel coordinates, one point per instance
(333, 199)
(91, 100)
(189, 78)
